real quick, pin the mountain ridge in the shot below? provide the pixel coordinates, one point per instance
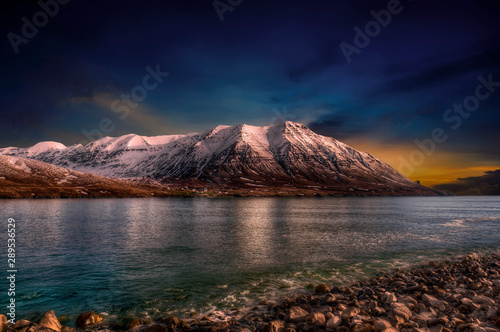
(283, 155)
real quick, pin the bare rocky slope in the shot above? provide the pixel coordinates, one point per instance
(25, 178)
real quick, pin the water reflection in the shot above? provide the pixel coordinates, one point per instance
(253, 231)
(157, 255)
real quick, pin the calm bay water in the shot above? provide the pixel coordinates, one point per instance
(150, 257)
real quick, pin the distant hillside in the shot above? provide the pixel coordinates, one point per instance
(488, 184)
(26, 178)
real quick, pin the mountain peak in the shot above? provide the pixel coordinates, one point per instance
(286, 154)
(42, 147)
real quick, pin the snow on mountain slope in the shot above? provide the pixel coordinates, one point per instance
(46, 146)
(35, 150)
(284, 154)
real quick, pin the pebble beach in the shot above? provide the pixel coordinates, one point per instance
(460, 295)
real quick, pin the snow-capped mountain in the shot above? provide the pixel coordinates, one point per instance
(287, 154)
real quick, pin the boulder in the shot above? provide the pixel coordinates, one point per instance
(156, 328)
(329, 299)
(68, 329)
(403, 312)
(438, 304)
(170, 321)
(275, 326)
(328, 315)
(407, 300)
(341, 307)
(296, 315)
(378, 311)
(63, 319)
(88, 318)
(134, 322)
(316, 318)
(334, 322)
(20, 324)
(322, 289)
(437, 321)
(288, 329)
(381, 325)
(483, 300)
(478, 329)
(428, 298)
(487, 329)
(398, 284)
(467, 302)
(436, 328)
(49, 320)
(363, 327)
(491, 313)
(349, 312)
(389, 297)
(4, 323)
(24, 325)
(396, 321)
(391, 329)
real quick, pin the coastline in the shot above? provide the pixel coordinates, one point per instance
(122, 188)
(459, 295)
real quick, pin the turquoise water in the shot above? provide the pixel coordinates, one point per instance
(152, 257)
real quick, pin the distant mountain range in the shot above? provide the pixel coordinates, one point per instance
(487, 184)
(284, 159)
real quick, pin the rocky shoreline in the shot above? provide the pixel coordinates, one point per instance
(463, 295)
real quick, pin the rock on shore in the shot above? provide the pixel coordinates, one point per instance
(441, 297)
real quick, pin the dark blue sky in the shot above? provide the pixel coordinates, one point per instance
(266, 59)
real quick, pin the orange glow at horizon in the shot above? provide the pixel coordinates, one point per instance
(440, 167)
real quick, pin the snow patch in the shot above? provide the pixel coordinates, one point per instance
(161, 140)
(45, 146)
(19, 164)
(67, 179)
